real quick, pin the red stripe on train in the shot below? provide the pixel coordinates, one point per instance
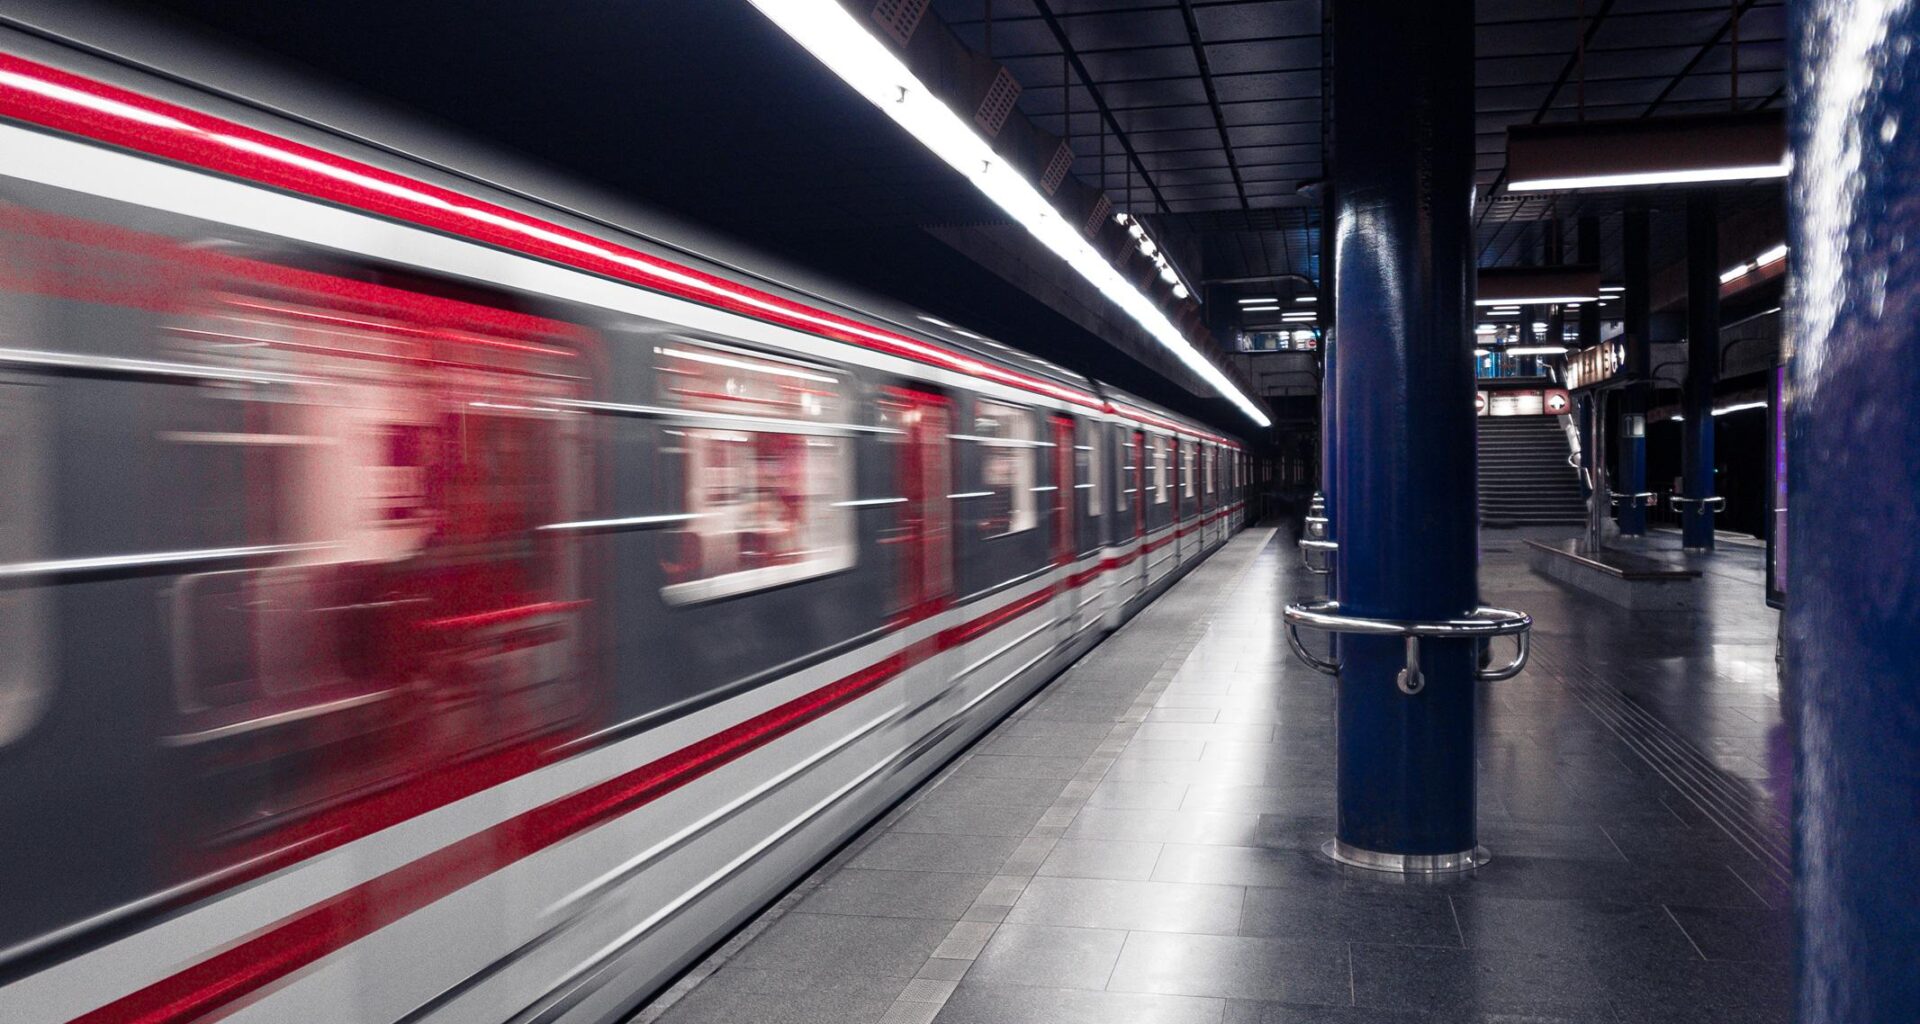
(275, 953)
(37, 94)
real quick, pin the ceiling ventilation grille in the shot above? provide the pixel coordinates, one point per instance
(899, 18)
(1002, 92)
(1057, 169)
(1102, 209)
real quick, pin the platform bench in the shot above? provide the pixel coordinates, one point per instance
(1632, 581)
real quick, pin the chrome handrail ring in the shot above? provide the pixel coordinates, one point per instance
(1481, 622)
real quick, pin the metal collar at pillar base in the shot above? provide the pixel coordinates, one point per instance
(1406, 863)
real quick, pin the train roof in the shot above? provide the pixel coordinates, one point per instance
(170, 70)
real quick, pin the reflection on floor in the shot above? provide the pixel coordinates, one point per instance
(1140, 843)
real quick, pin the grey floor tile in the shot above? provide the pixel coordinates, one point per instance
(1246, 1011)
(1006, 792)
(1140, 796)
(830, 943)
(974, 1003)
(1101, 858)
(1698, 992)
(786, 997)
(1302, 798)
(938, 895)
(1315, 912)
(1042, 746)
(1581, 928)
(1108, 903)
(1722, 933)
(1048, 955)
(1206, 732)
(1164, 826)
(1166, 750)
(906, 851)
(1002, 766)
(1458, 983)
(960, 818)
(1239, 865)
(1164, 714)
(1550, 878)
(1234, 966)
(1581, 841)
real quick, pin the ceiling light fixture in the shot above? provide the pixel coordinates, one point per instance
(1765, 259)
(1611, 289)
(1306, 300)
(1647, 151)
(840, 41)
(1538, 350)
(1258, 301)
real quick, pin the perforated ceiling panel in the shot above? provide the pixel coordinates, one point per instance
(899, 18)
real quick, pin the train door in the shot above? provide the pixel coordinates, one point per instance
(1140, 499)
(922, 536)
(1177, 467)
(1061, 549)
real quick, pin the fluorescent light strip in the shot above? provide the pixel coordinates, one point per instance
(838, 40)
(1771, 256)
(1667, 177)
(1612, 288)
(1537, 350)
(1306, 300)
(1258, 301)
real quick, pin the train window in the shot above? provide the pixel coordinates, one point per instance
(1124, 485)
(1159, 469)
(23, 473)
(1212, 460)
(1093, 467)
(1186, 470)
(410, 610)
(766, 493)
(1005, 435)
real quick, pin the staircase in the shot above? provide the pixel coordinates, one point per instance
(1524, 476)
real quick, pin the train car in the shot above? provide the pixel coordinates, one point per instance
(423, 604)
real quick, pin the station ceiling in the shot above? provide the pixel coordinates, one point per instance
(1207, 117)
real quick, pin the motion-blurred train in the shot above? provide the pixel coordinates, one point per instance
(419, 603)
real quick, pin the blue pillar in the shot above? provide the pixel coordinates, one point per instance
(1637, 319)
(1853, 586)
(1329, 356)
(1703, 367)
(1405, 462)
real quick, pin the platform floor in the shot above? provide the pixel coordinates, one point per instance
(1140, 843)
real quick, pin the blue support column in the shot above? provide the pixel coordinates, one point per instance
(1329, 344)
(1405, 460)
(1703, 368)
(1853, 586)
(1637, 318)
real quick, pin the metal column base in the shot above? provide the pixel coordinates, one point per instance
(1406, 863)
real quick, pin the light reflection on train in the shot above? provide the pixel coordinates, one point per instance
(380, 603)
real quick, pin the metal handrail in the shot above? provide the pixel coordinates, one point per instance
(1644, 499)
(1481, 622)
(1717, 503)
(1308, 546)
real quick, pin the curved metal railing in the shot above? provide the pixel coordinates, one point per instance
(1481, 622)
(1711, 505)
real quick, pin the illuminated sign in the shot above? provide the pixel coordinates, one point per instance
(1590, 366)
